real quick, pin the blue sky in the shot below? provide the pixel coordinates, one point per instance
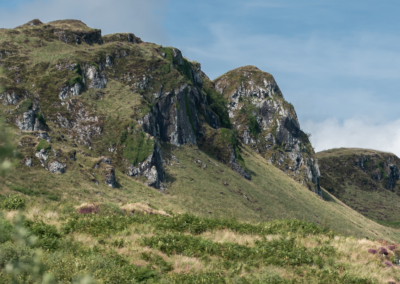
(336, 61)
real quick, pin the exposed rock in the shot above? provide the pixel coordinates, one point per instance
(109, 176)
(42, 155)
(392, 177)
(108, 61)
(96, 80)
(9, 98)
(235, 165)
(169, 120)
(152, 177)
(57, 167)
(44, 135)
(26, 121)
(28, 162)
(284, 144)
(151, 168)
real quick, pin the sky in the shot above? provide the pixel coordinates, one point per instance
(337, 62)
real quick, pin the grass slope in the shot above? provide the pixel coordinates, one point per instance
(214, 191)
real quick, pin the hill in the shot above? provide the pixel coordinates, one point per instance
(107, 123)
(365, 180)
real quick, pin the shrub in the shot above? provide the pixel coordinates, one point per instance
(388, 264)
(383, 250)
(373, 251)
(43, 144)
(392, 247)
(5, 230)
(88, 209)
(14, 202)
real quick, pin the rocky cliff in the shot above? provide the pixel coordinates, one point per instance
(123, 101)
(266, 121)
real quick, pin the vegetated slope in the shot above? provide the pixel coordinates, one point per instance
(365, 180)
(100, 119)
(117, 246)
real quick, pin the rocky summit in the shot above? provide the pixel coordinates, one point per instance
(122, 100)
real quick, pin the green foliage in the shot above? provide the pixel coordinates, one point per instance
(380, 167)
(156, 261)
(14, 202)
(41, 118)
(24, 106)
(195, 225)
(185, 69)
(105, 224)
(7, 154)
(230, 136)
(138, 148)
(66, 259)
(30, 192)
(219, 105)
(118, 243)
(43, 144)
(280, 252)
(48, 235)
(169, 56)
(188, 110)
(123, 137)
(5, 230)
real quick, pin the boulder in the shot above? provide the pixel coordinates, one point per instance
(57, 167)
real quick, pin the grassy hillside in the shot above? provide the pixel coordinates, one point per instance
(363, 189)
(213, 191)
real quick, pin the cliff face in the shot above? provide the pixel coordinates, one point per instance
(267, 122)
(118, 97)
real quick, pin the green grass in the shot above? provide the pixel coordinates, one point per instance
(138, 148)
(24, 106)
(43, 144)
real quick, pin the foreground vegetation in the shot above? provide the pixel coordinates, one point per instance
(113, 245)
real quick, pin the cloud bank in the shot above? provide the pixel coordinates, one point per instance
(354, 133)
(143, 18)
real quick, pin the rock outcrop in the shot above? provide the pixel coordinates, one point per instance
(267, 122)
(152, 169)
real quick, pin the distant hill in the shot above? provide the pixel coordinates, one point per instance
(366, 180)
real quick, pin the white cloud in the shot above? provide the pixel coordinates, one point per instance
(143, 18)
(354, 133)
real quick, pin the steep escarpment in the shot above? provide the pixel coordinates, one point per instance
(112, 96)
(266, 121)
(366, 180)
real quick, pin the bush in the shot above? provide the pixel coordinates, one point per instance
(43, 144)
(5, 230)
(14, 202)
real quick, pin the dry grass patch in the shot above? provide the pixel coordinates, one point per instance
(222, 236)
(143, 207)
